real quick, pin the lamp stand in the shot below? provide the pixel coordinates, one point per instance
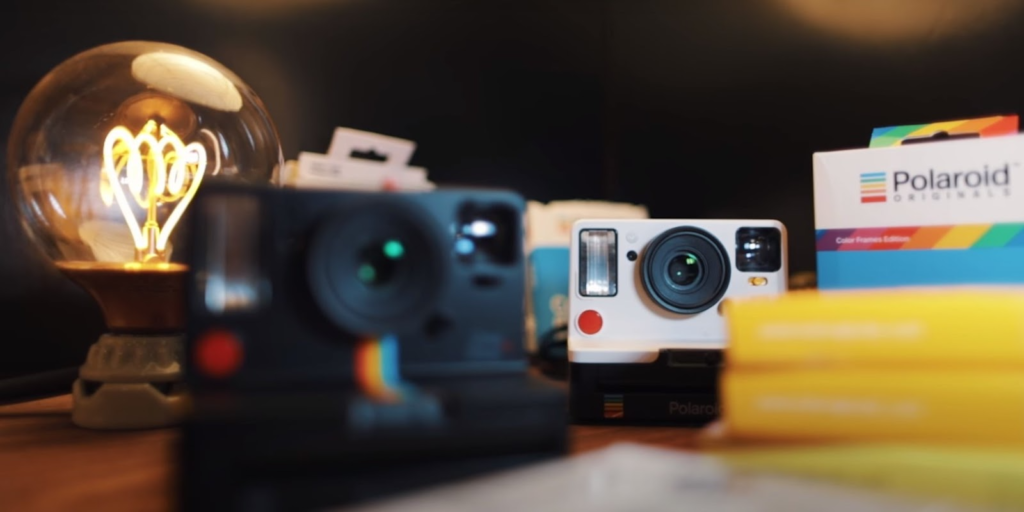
(132, 377)
(130, 382)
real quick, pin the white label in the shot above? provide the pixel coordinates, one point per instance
(976, 181)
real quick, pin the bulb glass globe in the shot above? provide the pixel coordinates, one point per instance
(109, 149)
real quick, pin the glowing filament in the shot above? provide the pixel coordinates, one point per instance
(159, 169)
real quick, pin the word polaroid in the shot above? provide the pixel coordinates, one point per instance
(923, 212)
(358, 160)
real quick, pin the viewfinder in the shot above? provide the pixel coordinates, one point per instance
(487, 233)
(758, 249)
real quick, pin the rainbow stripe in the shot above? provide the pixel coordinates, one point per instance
(872, 187)
(963, 236)
(376, 368)
(982, 126)
(614, 406)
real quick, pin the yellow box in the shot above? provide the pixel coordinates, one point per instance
(955, 328)
(957, 407)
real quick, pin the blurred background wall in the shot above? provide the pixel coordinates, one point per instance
(693, 108)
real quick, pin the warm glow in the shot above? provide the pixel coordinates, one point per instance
(158, 169)
(891, 22)
(78, 267)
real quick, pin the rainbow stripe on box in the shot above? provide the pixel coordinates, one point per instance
(614, 406)
(872, 187)
(983, 127)
(921, 255)
(964, 236)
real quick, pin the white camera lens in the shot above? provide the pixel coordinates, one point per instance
(598, 272)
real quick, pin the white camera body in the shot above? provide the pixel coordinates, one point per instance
(641, 286)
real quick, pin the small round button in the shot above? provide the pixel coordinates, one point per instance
(590, 322)
(218, 354)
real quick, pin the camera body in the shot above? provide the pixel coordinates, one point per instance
(646, 330)
(286, 286)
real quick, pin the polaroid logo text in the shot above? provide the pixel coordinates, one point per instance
(938, 185)
(691, 409)
(999, 177)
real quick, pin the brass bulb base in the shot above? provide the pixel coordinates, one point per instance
(135, 298)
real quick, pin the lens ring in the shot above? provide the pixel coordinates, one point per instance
(341, 283)
(697, 292)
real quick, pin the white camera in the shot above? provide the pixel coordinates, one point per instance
(646, 331)
(639, 286)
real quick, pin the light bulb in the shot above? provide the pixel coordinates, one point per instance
(104, 159)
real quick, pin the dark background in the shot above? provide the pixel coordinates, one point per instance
(693, 108)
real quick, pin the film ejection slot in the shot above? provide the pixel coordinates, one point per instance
(693, 358)
(598, 263)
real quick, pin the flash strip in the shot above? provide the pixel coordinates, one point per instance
(598, 263)
(232, 271)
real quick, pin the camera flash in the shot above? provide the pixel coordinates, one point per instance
(598, 277)
(758, 281)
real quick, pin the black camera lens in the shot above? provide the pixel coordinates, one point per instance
(758, 249)
(377, 267)
(379, 262)
(685, 270)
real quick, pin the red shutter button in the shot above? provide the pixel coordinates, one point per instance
(218, 354)
(589, 322)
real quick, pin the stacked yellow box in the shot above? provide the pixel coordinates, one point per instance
(924, 365)
(913, 392)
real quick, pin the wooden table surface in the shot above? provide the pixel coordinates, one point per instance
(46, 463)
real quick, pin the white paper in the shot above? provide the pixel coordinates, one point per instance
(339, 170)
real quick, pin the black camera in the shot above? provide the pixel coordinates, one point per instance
(303, 304)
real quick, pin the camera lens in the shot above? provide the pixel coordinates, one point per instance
(379, 261)
(377, 266)
(685, 270)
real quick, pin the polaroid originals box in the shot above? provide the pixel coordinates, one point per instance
(548, 228)
(921, 214)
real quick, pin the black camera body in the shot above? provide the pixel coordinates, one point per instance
(287, 287)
